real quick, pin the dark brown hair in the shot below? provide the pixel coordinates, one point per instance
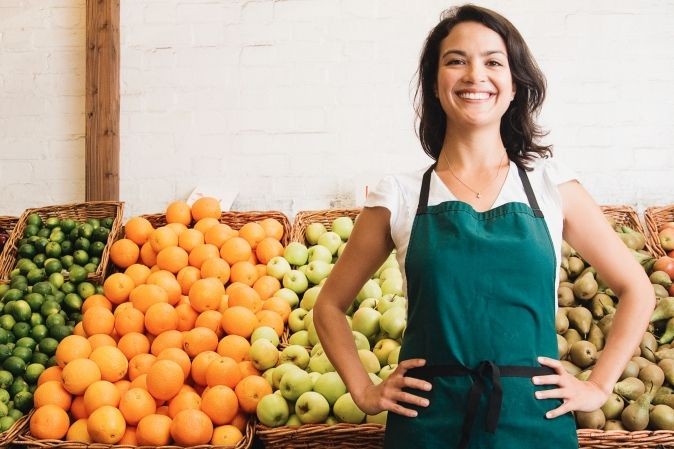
(519, 131)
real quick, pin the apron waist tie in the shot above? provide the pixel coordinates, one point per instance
(485, 369)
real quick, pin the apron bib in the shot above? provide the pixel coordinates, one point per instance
(480, 311)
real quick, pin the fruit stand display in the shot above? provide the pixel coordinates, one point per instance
(660, 225)
(7, 224)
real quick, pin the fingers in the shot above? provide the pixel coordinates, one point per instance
(411, 382)
(409, 364)
(552, 379)
(555, 393)
(559, 411)
(552, 363)
(395, 407)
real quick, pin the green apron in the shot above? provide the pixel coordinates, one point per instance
(481, 310)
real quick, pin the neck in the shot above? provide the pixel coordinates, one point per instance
(472, 150)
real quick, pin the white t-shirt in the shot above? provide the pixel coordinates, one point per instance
(400, 195)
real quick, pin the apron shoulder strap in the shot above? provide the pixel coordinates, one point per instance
(533, 203)
(425, 188)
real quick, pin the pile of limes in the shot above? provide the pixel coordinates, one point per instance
(58, 245)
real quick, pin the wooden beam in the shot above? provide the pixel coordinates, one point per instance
(102, 100)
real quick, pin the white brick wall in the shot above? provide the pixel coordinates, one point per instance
(297, 104)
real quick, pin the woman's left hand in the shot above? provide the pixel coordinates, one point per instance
(584, 396)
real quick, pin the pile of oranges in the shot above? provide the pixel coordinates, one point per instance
(162, 356)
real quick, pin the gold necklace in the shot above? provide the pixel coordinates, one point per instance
(477, 194)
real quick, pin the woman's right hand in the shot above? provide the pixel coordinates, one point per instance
(389, 394)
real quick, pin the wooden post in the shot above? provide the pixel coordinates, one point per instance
(102, 100)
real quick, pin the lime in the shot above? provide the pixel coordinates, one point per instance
(23, 353)
(96, 250)
(107, 222)
(67, 261)
(80, 257)
(13, 294)
(44, 233)
(14, 365)
(52, 265)
(94, 222)
(76, 317)
(2, 308)
(82, 243)
(3, 289)
(52, 222)
(56, 279)
(5, 351)
(55, 319)
(36, 275)
(91, 267)
(9, 307)
(60, 331)
(23, 400)
(72, 302)
(58, 296)
(34, 300)
(4, 411)
(6, 378)
(39, 358)
(53, 249)
(67, 225)
(4, 396)
(66, 247)
(27, 250)
(72, 235)
(100, 234)
(18, 385)
(34, 219)
(21, 311)
(7, 322)
(77, 273)
(15, 413)
(28, 265)
(68, 287)
(39, 332)
(19, 282)
(48, 346)
(40, 257)
(57, 236)
(36, 319)
(26, 342)
(85, 230)
(21, 329)
(99, 289)
(6, 422)
(43, 288)
(3, 336)
(48, 309)
(51, 361)
(33, 372)
(30, 230)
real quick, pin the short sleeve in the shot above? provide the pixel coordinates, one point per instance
(558, 172)
(386, 194)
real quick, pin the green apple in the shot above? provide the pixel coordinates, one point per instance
(312, 408)
(314, 377)
(393, 322)
(370, 290)
(386, 371)
(342, 226)
(388, 301)
(296, 319)
(318, 252)
(309, 297)
(331, 420)
(349, 321)
(263, 354)
(272, 410)
(266, 333)
(308, 319)
(383, 348)
(375, 378)
(296, 254)
(369, 302)
(392, 286)
(293, 421)
(268, 375)
(331, 386)
(361, 340)
(331, 241)
(294, 383)
(347, 411)
(318, 270)
(303, 269)
(295, 354)
(366, 321)
(278, 267)
(296, 281)
(313, 334)
(313, 232)
(321, 364)
(391, 261)
(316, 350)
(393, 356)
(369, 361)
(379, 418)
(340, 250)
(279, 371)
(390, 272)
(300, 337)
(290, 296)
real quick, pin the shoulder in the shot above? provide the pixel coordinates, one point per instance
(399, 188)
(551, 171)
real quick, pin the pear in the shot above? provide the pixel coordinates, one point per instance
(562, 346)
(668, 335)
(635, 416)
(572, 336)
(648, 346)
(642, 362)
(637, 239)
(585, 286)
(561, 321)
(613, 424)
(660, 291)
(567, 250)
(588, 269)
(580, 319)
(664, 354)
(602, 305)
(565, 297)
(576, 266)
(570, 367)
(630, 388)
(631, 370)
(652, 374)
(605, 324)
(667, 366)
(661, 278)
(563, 275)
(566, 284)
(596, 337)
(584, 375)
(583, 353)
(662, 417)
(613, 406)
(590, 420)
(664, 395)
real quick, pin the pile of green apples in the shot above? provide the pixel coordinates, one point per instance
(307, 389)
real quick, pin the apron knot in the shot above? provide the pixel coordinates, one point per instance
(484, 370)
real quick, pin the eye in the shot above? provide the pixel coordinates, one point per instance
(494, 63)
(454, 62)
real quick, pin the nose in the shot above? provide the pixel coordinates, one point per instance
(475, 73)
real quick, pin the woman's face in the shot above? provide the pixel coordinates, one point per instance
(474, 83)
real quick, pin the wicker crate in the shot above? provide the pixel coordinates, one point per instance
(326, 216)
(7, 223)
(76, 211)
(655, 217)
(19, 427)
(626, 215)
(622, 439)
(322, 436)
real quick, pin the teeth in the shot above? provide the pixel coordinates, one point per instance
(474, 95)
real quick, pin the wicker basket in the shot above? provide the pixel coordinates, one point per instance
(626, 215)
(322, 436)
(29, 441)
(7, 223)
(305, 218)
(622, 439)
(8, 436)
(655, 217)
(76, 211)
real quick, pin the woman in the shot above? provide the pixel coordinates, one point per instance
(478, 235)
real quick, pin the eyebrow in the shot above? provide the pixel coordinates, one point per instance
(463, 53)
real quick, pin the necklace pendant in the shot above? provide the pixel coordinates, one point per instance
(477, 195)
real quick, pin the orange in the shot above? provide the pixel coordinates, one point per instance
(206, 207)
(98, 320)
(272, 228)
(51, 373)
(122, 386)
(198, 340)
(215, 267)
(79, 330)
(160, 317)
(140, 365)
(163, 409)
(143, 296)
(189, 239)
(187, 317)
(77, 408)
(172, 258)
(49, 422)
(99, 394)
(266, 286)
(186, 277)
(238, 320)
(163, 238)
(138, 272)
(78, 374)
(168, 339)
(240, 421)
(154, 430)
(240, 294)
(183, 401)
(248, 369)
(200, 366)
(96, 300)
(254, 233)
(106, 425)
(140, 382)
(111, 361)
(164, 379)
(129, 437)
(223, 371)
(99, 340)
(70, 348)
(133, 343)
(191, 428)
(261, 270)
(117, 287)
(220, 404)
(148, 255)
(268, 248)
(201, 252)
(278, 305)
(138, 230)
(179, 356)
(177, 228)
(168, 282)
(129, 320)
(271, 319)
(233, 346)
(250, 390)
(227, 435)
(210, 319)
(244, 272)
(78, 431)
(124, 253)
(136, 404)
(179, 212)
(52, 392)
(205, 224)
(219, 234)
(236, 249)
(206, 294)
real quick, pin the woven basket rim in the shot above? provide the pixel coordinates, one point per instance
(325, 216)
(629, 215)
(654, 217)
(20, 426)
